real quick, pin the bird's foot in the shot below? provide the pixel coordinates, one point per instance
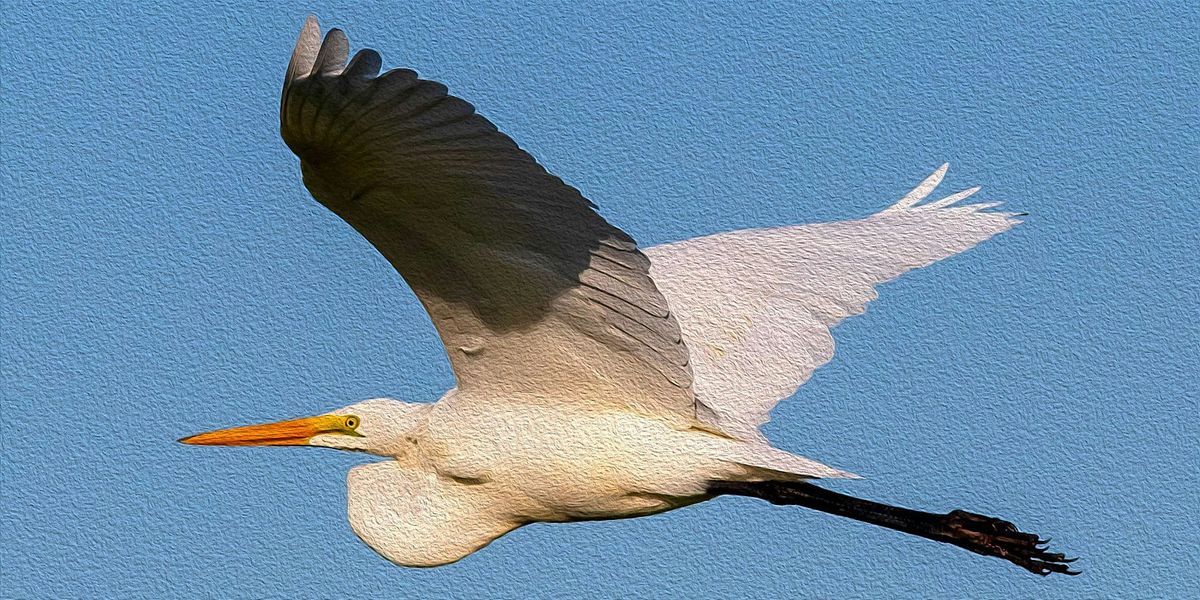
(996, 537)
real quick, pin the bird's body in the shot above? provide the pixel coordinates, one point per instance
(595, 380)
(572, 464)
(525, 460)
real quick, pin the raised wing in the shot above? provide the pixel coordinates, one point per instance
(756, 306)
(533, 293)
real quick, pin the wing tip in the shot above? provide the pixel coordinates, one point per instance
(922, 190)
(331, 58)
(308, 44)
(365, 65)
(913, 199)
(310, 22)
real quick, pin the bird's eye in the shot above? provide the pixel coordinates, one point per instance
(351, 422)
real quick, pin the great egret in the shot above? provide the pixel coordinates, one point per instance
(595, 381)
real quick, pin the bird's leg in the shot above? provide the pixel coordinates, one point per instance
(978, 533)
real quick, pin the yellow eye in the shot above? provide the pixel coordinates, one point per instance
(351, 422)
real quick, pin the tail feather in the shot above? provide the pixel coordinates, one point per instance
(785, 465)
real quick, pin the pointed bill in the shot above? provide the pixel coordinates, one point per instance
(296, 432)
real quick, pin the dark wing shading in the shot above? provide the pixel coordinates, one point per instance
(530, 289)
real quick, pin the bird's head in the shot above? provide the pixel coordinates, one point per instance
(380, 426)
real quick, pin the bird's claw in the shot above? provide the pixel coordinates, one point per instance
(990, 536)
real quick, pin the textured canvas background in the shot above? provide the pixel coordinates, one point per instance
(165, 273)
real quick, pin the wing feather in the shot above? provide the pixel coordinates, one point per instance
(530, 289)
(756, 306)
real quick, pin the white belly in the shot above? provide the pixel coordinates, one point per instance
(561, 464)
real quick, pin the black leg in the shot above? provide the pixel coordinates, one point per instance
(978, 533)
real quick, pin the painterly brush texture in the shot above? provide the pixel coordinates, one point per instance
(574, 398)
(166, 271)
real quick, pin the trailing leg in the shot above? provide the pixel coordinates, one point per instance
(978, 533)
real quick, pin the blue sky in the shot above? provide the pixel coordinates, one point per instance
(164, 272)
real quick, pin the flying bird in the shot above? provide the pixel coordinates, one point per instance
(595, 380)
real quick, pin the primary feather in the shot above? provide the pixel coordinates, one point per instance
(756, 306)
(516, 269)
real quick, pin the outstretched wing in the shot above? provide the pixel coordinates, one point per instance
(533, 293)
(756, 306)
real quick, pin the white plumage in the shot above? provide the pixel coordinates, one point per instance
(756, 306)
(594, 381)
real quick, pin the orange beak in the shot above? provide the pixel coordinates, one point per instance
(296, 432)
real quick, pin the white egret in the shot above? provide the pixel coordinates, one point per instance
(594, 380)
